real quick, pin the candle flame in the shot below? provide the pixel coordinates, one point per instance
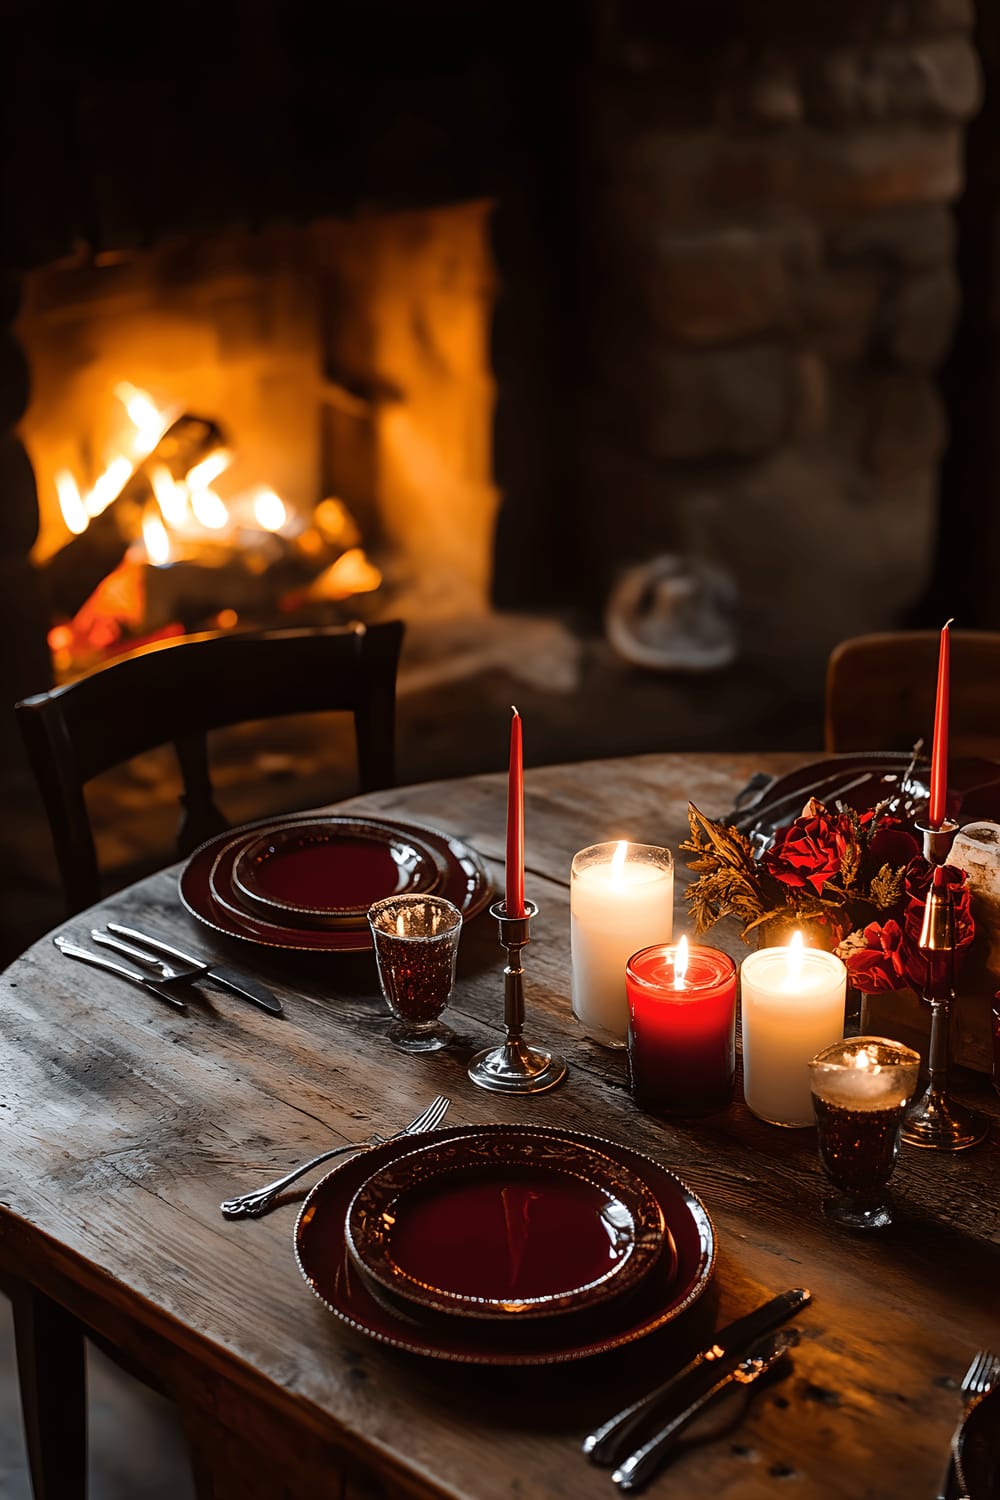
(681, 961)
(793, 958)
(618, 862)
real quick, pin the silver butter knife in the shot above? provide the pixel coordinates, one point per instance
(642, 1464)
(607, 1443)
(98, 961)
(229, 979)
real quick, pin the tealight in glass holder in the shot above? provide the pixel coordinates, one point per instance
(860, 1089)
(416, 948)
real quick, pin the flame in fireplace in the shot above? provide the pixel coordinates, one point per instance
(155, 537)
(178, 519)
(208, 508)
(74, 511)
(269, 510)
(149, 421)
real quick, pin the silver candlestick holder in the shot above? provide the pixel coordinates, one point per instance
(935, 1120)
(514, 1067)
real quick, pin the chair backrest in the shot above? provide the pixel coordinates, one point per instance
(880, 692)
(175, 693)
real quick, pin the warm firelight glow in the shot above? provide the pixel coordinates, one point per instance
(681, 961)
(171, 497)
(74, 512)
(149, 422)
(618, 862)
(336, 523)
(155, 537)
(109, 486)
(269, 509)
(209, 509)
(352, 573)
(201, 475)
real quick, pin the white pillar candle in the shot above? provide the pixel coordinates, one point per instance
(621, 900)
(792, 1002)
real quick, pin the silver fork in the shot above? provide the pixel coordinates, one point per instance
(981, 1376)
(258, 1202)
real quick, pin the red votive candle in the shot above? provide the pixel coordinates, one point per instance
(682, 1028)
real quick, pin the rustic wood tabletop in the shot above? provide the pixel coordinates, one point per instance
(123, 1124)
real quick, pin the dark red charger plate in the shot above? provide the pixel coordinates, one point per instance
(511, 1227)
(672, 1286)
(465, 883)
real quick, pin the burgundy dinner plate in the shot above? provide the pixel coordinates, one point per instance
(675, 1282)
(207, 876)
(327, 872)
(511, 1226)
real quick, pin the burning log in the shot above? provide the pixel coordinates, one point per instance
(70, 576)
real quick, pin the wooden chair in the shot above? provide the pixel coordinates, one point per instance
(880, 692)
(172, 693)
(178, 691)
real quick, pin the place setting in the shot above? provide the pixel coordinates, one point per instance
(306, 883)
(497, 1248)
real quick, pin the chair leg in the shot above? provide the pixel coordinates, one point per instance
(51, 1364)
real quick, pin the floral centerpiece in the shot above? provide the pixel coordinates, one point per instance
(853, 882)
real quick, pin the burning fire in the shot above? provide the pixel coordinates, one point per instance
(183, 518)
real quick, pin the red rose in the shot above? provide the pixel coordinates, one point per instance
(891, 845)
(808, 852)
(880, 965)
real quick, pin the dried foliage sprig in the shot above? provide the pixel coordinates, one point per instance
(857, 879)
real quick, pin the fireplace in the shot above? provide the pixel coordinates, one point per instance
(679, 281)
(342, 448)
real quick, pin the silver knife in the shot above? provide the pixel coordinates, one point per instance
(641, 1464)
(230, 979)
(607, 1443)
(108, 964)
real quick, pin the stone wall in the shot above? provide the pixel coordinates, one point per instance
(768, 260)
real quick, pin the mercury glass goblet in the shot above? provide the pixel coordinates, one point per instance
(416, 948)
(860, 1088)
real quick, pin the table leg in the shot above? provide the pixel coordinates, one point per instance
(51, 1366)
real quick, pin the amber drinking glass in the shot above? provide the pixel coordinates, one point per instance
(416, 947)
(860, 1088)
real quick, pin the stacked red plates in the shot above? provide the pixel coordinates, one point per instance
(505, 1245)
(306, 883)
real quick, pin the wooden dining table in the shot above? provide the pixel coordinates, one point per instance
(123, 1124)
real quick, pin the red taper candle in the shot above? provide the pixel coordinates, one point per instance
(514, 893)
(937, 810)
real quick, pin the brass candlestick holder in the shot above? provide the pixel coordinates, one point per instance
(935, 1120)
(514, 1067)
